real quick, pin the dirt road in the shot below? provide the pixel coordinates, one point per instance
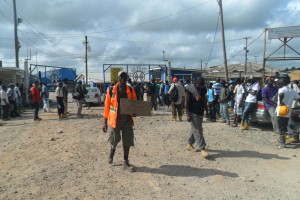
(67, 159)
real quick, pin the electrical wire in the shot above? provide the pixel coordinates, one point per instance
(212, 46)
(243, 49)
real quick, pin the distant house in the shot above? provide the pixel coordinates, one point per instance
(93, 78)
(238, 70)
(186, 74)
(11, 75)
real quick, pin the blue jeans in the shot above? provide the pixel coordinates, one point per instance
(249, 107)
(46, 104)
(224, 111)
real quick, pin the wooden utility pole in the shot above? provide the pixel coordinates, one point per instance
(201, 64)
(246, 53)
(223, 40)
(16, 34)
(86, 60)
(264, 59)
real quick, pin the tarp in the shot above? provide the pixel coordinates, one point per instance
(58, 74)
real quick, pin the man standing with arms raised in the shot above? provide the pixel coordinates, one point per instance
(117, 121)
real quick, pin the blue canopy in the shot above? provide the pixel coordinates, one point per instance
(58, 74)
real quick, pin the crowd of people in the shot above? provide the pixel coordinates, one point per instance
(13, 99)
(211, 99)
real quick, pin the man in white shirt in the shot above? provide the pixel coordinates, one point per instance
(286, 96)
(238, 102)
(60, 100)
(4, 103)
(251, 89)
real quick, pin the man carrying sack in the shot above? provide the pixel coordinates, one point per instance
(119, 122)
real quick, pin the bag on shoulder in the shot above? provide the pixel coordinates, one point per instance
(76, 95)
(174, 96)
(85, 91)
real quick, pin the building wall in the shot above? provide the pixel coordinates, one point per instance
(11, 76)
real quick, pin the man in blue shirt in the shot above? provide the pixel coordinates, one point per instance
(211, 98)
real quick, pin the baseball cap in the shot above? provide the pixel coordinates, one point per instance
(175, 79)
(122, 73)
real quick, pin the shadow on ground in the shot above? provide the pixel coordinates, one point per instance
(246, 154)
(185, 171)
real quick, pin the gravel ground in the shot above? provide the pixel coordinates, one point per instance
(67, 159)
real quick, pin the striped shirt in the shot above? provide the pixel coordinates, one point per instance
(217, 87)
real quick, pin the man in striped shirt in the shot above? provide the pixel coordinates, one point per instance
(217, 87)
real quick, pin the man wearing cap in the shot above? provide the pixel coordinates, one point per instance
(251, 89)
(177, 105)
(119, 122)
(286, 96)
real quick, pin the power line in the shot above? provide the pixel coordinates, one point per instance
(243, 48)
(212, 46)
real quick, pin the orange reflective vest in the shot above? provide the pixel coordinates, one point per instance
(111, 104)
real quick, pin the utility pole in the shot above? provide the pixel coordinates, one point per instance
(169, 67)
(255, 59)
(264, 59)
(246, 52)
(86, 60)
(16, 34)
(223, 40)
(201, 64)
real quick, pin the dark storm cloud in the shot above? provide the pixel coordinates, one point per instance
(139, 31)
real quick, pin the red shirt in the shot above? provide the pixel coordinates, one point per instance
(36, 95)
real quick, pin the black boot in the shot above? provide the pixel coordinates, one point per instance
(111, 156)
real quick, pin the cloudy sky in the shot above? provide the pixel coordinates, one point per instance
(135, 31)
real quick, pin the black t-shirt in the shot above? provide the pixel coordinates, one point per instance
(197, 107)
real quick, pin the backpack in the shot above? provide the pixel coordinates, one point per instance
(76, 95)
(174, 96)
(79, 93)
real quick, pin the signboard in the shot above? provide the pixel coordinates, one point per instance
(138, 76)
(284, 32)
(140, 108)
(114, 73)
